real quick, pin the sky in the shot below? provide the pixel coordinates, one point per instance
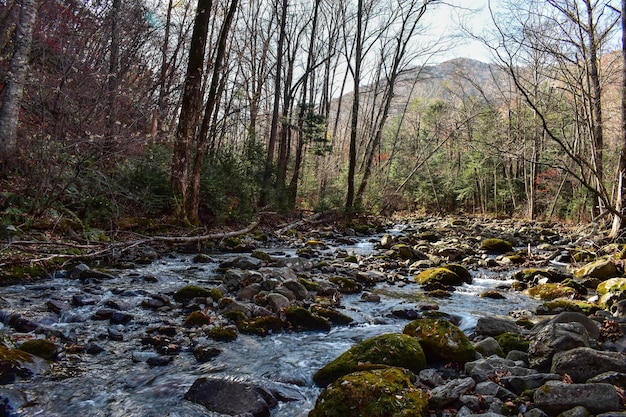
(446, 19)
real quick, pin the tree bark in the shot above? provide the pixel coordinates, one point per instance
(113, 80)
(191, 104)
(14, 90)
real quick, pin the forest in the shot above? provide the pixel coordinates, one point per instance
(116, 113)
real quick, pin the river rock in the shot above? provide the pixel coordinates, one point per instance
(16, 363)
(231, 397)
(44, 348)
(442, 276)
(592, 327)
(236, 278)
(602, 269)
(297, 288)
(491, 388)
(277, 302)
(487, 368)
(494, 326)
(520, 383)
(496, 245)
(441, 340)
(302, 319)
(189, 292)
(553, 338)
(489, 346)
(381, 351)
(450, 391)
(376, 393)
(584, 363)
(556, 397)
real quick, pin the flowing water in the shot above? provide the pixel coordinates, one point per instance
(118, 381)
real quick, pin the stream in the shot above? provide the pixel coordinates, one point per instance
(118, 381)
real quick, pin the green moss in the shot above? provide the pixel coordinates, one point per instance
(264, 256)
(441, 340)
(525, 323)
(493, 294)
(611, 285)
(443, 276)
(346, 285)
(351, 259)
(391, 349)
(428, 236)
(196, 319)
(235, 316)
(558, 306)
(215, 294)
(191, 291)
(43, 348)
(496, 245)
(222, 334)
(310, 285)
(461, 271)
(550, 291)
(512, 341)
(19, 273)
(334, 316)
(580, 288)
(302, 319)
(602, 269)
(262, 326)
(527, 275)
(377, 393)
(233, 242)
(439, 294)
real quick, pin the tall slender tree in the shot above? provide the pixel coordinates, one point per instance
(14, 90)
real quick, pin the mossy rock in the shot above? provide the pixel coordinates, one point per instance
(558, 306)
(512, 341)
(42, 348)
(611, 285)
(233, 242)
(191, 291)
(222, 334)
(201, 258)
(19, 273)
(346, 285)
(442, 276)
(403, 251)
(441, 340)
(439, 293)
(15, 363)
(351, 259)
(236, 316)
(196, 319)
(335, 317)
(310, 285)
(264, 256)
(317, 244)
(602, 269)
(492, 294)
(583, 256)
(262, 326)
(458, 222)
(429, 236)
(216, 294)
(579, 287)
(302, 319)
(550, 291)
(496, 245)
(525, 323)
(527, 275)
(392, 349)
(376, 393)
(461, 271)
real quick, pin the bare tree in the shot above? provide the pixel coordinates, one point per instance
(14, 91)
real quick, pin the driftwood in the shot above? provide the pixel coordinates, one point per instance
(314, 219)
(118, 247)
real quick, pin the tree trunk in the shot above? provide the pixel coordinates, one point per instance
(271, 146)
(160, 109)
(14, 89)
(354, 123)
(621, 168)
(113, 80)
(212, 102)
(191, 103)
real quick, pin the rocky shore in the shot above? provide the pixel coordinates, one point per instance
(566, 357)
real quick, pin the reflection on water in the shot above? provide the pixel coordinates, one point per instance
(117, 382)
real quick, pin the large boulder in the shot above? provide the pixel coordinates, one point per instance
(381, 351)
(584, 363)
(554, 338)
(443, 276)
(494, 326)
(441, 340)
(231, 397)
(16, 363)
(450, 391)
(376, 393)
(556, 397)
(496, 245)
(611, 285)
(601, 269)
